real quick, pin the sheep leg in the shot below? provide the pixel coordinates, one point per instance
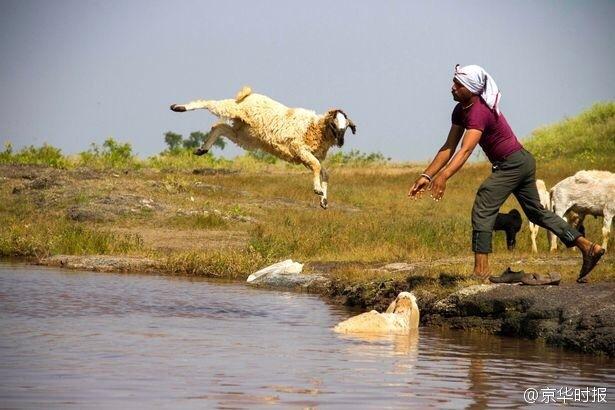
(222, 108)
(552, 237)
(511, 239)
(216, 132)
(580, 224)
(534, 233)
(310, 161)
(324, 177)
(606, 228)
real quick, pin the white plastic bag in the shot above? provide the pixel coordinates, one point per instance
(287, 267)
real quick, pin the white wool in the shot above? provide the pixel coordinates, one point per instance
(586, 193)
(395, 320)
(257, 122)
(342, 123)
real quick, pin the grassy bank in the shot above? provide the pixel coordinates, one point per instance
(585, 141)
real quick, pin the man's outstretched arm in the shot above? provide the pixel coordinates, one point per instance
(442, 157)
(470, 140)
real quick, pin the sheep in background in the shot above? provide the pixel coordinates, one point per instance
(573, 218)
(296, 135)
(510, 223)
(586, 193)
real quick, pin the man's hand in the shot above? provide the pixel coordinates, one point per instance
(420, 185)
(438, 186)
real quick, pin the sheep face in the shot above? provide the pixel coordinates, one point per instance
(337, 124)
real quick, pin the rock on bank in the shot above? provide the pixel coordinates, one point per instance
(578, 317)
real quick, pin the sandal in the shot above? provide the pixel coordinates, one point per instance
(536, 279)
(508, 276)
(589, 262)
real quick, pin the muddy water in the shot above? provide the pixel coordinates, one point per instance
(83, 340)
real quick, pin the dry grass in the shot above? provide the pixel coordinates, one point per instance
(229, 224)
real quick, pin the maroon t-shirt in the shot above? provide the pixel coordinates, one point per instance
(498, 140)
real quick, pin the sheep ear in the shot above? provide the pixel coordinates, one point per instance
(392, 306)
(353, 127)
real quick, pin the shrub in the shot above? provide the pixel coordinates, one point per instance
(182, 159)
(30, 155)
(176, 141)
(112, 154)
(356, 158)
(263, 156)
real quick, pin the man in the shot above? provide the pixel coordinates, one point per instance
(477, 118)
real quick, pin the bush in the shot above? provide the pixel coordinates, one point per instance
(182, 158)
(263, 156)
(45, 155)
(176, 141)
(112, 154)
(356, 157)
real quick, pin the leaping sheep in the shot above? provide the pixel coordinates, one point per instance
(296, 135)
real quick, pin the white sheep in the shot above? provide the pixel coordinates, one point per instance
(586, 193)
(401, 317)
(573, 218)
(545, 201)
(296, 135)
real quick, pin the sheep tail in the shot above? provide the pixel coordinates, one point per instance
(243, 93)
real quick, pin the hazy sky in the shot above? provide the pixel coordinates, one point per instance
(77, 72)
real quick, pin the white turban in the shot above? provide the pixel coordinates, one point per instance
(479, 82)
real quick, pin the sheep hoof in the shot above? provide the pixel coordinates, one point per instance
(200, 151)
(178, 108)
(324, 203)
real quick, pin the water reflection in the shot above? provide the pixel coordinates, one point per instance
(73, 339)
(367, 344)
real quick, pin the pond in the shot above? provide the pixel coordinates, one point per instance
(73, 339)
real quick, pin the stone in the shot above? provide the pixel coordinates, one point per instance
(579, 317)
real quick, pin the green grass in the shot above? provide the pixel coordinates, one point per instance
(587, 139)
(39, 238)
(230, 264)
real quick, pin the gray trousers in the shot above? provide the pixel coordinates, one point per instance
(515, 175)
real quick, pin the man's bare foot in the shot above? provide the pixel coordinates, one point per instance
(482, 277)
